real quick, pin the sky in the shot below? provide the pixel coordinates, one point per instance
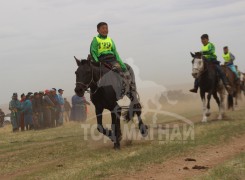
(38, 38)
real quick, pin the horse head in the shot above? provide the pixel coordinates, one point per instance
(84, 76)
(197, 64)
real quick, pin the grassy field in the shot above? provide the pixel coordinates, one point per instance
(62, 153)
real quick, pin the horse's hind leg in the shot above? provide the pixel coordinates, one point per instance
(204, 119)
(230, 102)
(220, 117)
(142, 127)
(116, 126)
(135, 108)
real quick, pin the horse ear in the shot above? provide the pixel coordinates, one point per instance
(192, 55)
(78, 61)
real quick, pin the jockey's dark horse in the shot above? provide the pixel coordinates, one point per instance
(88, 76)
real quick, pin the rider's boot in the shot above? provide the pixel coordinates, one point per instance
(195, 89)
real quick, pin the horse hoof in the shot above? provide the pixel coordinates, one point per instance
(204, 120)
(143, 130)
(112, 138)
(208, 113)
(116, 146)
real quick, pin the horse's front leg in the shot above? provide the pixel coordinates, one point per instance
(208, 113)
(116, 126)
(100, 127)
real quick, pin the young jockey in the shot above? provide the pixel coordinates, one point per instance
(229, 59)
(208, 52)
(104, 49)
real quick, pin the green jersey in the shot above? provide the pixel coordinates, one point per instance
(104, 46)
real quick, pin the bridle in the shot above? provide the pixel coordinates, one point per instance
(86, 86)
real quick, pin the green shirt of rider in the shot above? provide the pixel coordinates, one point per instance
(102, 46)
(208, 49)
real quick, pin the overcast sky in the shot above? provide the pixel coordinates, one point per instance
(39, 38)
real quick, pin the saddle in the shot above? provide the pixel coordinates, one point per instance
(121, 82)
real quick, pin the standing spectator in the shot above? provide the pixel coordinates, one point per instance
(54, 109)
(78, 110)
(86, 108)
(36, 108)
(67, 107)
(40, 114)
(48, 105)
(27, 109)
(30, 94)
(57, 108)
(15, 108)
(61, 106)
(2, 115)
(22, 121)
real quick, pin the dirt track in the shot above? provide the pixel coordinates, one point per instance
(179, 168)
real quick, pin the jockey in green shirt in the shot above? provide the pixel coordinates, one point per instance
(229, 58)
(104, 49)
(209, 55)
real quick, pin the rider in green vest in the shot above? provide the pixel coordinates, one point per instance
(103, 48)
(209, 55)
(229, 59)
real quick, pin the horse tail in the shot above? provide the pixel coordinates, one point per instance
(132, 110)
(230, 101)
(135, 106)
(128, 115)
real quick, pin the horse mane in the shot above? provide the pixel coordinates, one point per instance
(86, 61)
(198, 54)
